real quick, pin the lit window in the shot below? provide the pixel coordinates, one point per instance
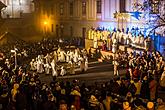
(98, 6)
(83, 8)
(71, 8)
(122, 5)
(61, 9)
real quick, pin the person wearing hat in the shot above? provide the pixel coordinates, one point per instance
(63, 71)
(33, 65)
(116, 65)
(129, 97)
(107, 102)
(76, 97)
(160, 104)
(145, 90)
(93, 103)
(126, 106)
(115, 105)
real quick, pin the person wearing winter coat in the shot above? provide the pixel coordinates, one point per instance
(145, 90)
(153, 87)
(162, 80)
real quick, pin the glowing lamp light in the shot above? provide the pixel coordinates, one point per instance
(45, 22)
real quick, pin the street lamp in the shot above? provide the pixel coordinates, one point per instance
(45, 22)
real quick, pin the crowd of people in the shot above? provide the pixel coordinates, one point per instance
(22, 89)
(111, 38)
(60, 60)
(136, 91)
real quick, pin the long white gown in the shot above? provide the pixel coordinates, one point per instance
(95, 42)
(47, 68)
(114, 46)
(63, 71)
(68, 56)
(62, 56)
(76, 56)
(53, 66)
(86, 64)
(40, 68)
(33, 65)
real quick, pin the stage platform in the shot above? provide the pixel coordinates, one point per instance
(110, 54)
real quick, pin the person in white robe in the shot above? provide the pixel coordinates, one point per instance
(76, 54)
(133, 41)
(47, 58)
(114, 46)
(92, 34)
(40, 68)
(109, 43)
(125, 37)
(33, 65)
(116, 64)
(63, 71)
(53, 66)
(98, 35)
(24, 53)
(55, 56)
(62, 56)
(120, 37)
(142, 41)
(71, 55)
(47, 68)
(147, 43)
(117, 35)
(137, 41)
(58, 53)
(95, 42)
(68, 56)
(7, 62)
(129, 40)
(82, 64)
(113, 35)
(86, 64)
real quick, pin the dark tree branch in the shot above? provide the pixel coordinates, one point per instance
(156, 27)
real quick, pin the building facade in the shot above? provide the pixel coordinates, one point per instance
(15, 8)
(73, 18)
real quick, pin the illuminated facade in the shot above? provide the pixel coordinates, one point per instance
(74, 17)
(15, 8)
